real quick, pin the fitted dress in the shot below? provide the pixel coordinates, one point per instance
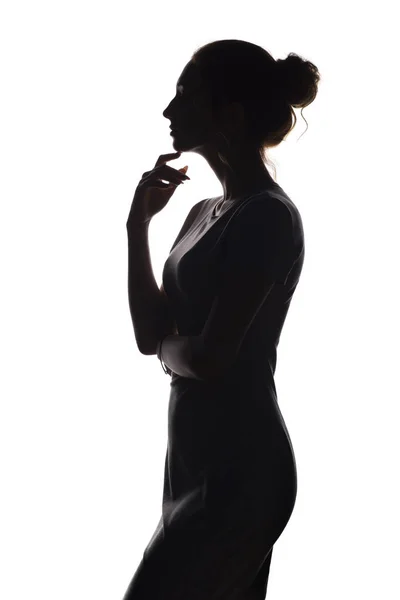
(230, 479)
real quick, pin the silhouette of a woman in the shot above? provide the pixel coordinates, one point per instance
(230, 479)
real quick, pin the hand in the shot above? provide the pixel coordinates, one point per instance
(152, 194)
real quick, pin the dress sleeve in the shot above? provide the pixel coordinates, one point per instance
(259, 237)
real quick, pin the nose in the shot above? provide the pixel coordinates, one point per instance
(165, 111)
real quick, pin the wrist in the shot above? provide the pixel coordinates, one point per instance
(137, 223)
(158, 353)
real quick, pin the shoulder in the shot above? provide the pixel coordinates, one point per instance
(270, 218)
(264, 211)
(193, 212)
(197, 207)
(189, 221)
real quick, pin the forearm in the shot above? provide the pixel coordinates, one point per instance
(148, 305)
(184, 355)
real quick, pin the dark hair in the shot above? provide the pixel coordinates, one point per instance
(267, 88)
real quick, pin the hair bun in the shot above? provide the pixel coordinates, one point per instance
(298, 79)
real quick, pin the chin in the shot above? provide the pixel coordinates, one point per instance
(179, 144)
(186, 145)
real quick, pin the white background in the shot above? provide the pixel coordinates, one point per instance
(83, 420)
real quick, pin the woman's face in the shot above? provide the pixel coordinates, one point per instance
(190, 111)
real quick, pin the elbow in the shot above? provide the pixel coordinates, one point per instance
(147, 348)
(147, 352)
(145, 345)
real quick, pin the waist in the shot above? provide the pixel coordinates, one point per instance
(245, 366)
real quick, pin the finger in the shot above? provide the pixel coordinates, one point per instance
(173, 172)
(166, 176)
(163, 158)
(163, 177)
(162, 185)
(155, 177)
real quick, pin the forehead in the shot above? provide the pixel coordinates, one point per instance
(190, 77)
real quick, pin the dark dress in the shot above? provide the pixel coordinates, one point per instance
(230, 480)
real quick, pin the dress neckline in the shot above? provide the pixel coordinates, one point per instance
(220, 201)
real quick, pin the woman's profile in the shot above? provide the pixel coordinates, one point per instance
(230, 479)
